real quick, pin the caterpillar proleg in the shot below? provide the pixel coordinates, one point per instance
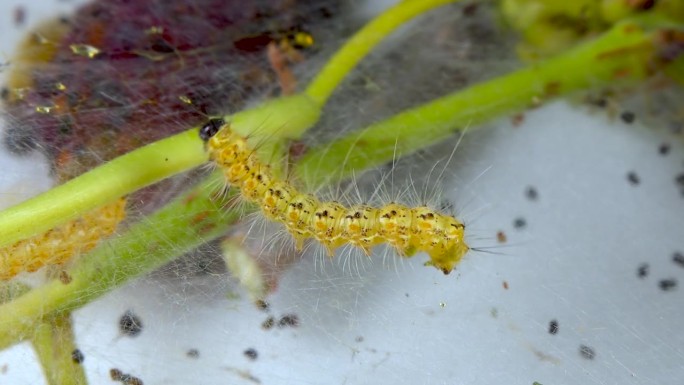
(408, 230)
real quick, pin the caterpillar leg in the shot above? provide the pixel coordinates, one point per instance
(299, 242)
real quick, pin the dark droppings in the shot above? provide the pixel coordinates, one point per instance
(251, 353)
(124, 378)
(289, 320)
(587, 352)
(127, 379)
(664, 149)
(531, 193)
(519, 223)
(77, 356)
(193, 353)
(679, 181)
(553, 327)
(115, 374)
(262, 305)
(130, 324)
(633, 178)
(628, 117)
(678, 258)
(134, 381)
(268, 323)
(667, 284)
(642, 271)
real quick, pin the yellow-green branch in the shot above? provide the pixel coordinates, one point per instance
(625, 54)
(362, 43)
(102, 185)
(54, 343)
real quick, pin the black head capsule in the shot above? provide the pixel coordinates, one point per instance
(210, 128)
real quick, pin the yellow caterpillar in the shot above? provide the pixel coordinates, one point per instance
(60, 244)
(408, 230)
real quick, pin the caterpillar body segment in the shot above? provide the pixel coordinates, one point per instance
(58, 245)
(408, 230)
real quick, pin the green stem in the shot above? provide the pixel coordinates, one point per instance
(179, 227)
(54, 343)
(363, 42)
(621, 55)
(102, 185)
(276, 119)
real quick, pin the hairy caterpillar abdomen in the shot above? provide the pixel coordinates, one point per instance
(408, 230)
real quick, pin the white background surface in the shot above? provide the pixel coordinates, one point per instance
(576, 262)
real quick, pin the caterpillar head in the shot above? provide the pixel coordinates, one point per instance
(445, 259)
(210, 128)
(448, 244)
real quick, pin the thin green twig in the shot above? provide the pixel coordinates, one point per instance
(54, 343)
(102, 185)
(624, 54)
(362, 43)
